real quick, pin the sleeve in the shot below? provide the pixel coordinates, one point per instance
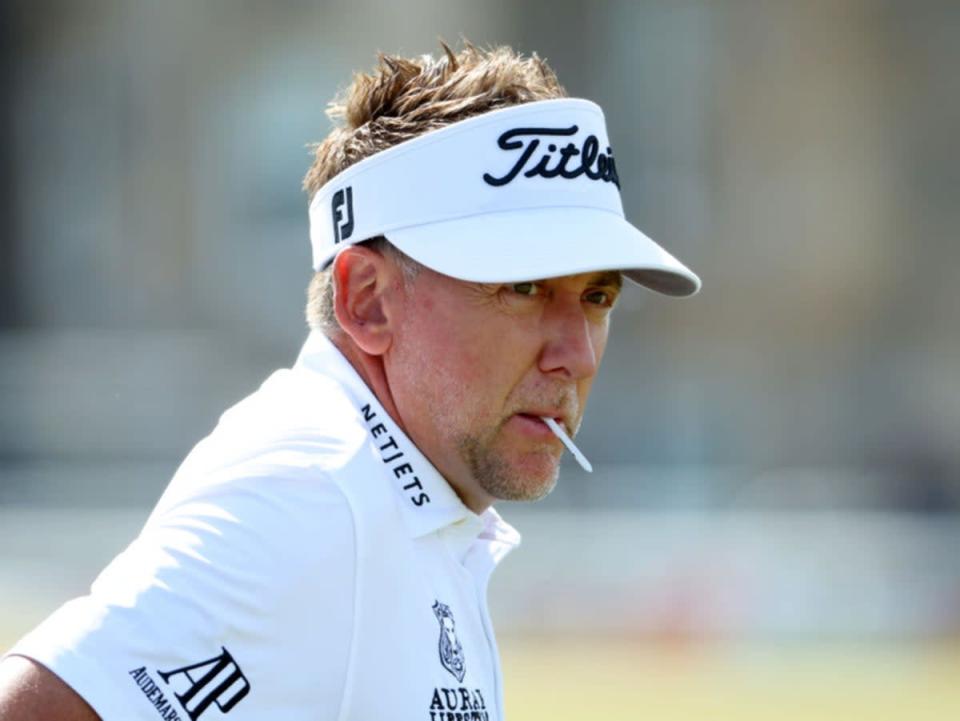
(238, 599)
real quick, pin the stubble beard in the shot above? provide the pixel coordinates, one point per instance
(478, 449)
(497, 477)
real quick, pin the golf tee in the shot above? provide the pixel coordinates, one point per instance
(565, 439)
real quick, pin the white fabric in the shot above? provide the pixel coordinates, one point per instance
(525, 192)
(287, 554)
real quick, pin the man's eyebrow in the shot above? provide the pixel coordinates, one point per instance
(610, 277)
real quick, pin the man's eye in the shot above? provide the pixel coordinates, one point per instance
(525, 288)
(603, 298)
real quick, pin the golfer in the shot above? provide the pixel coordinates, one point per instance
(324, 553)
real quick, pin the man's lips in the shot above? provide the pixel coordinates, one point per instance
(547, 425)
(544, 427)
(529, 424)
(532, 422)
(558, 415)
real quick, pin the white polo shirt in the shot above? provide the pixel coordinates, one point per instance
(305, 562)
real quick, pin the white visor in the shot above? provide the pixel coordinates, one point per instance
(523, 193)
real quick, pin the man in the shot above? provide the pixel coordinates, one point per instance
(324, 553)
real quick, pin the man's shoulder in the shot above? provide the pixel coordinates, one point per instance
(276, 458)
(295, 423)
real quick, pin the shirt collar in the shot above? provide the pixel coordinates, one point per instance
(426, 500)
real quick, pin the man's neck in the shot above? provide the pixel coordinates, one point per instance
(372, 371)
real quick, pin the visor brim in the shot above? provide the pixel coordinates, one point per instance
(529, 244)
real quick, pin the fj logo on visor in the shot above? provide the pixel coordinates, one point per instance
(342, 208)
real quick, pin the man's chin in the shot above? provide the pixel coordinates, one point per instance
(535, 492)
(528, 482)
(509, 473)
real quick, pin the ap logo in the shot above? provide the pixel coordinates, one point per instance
(216, 681)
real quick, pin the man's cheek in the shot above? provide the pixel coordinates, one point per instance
(476, 373)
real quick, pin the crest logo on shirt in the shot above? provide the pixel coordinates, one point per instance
(451, 652)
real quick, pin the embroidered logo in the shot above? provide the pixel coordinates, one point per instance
(395, 458)
(451, 652)
(458, 703)
(555, 161)
(342, 209)
(215, 681)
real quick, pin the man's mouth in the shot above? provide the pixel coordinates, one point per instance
(532, 417)
(544, 426)
(541, 417)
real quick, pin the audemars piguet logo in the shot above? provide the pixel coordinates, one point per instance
(451, 652)
(216, 681)
(567, 162)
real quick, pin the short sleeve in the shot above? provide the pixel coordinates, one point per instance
(236, 599)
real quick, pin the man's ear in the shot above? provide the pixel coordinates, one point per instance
(364, 283)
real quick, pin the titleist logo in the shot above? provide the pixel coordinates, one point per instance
(566, 162)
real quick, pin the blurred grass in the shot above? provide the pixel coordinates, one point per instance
(622, 679)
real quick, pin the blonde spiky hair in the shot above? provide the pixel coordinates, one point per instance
(404, 98)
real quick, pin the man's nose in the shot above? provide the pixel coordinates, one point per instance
(569, 348)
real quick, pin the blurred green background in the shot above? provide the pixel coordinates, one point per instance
(773, 529)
